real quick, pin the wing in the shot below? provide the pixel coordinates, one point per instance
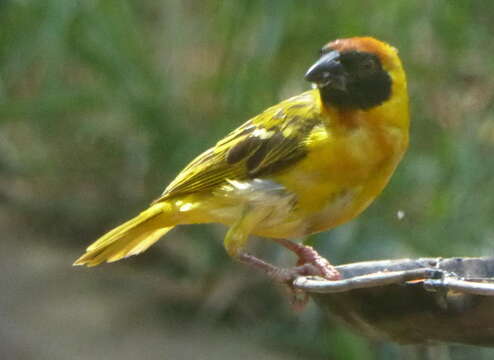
(261, 147)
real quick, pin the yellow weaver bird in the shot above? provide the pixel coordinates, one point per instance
(307, 164)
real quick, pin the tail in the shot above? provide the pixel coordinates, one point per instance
(130, 238)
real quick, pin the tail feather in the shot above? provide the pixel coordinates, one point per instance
(136, 245)
(130, 238)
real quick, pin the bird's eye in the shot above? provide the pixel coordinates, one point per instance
(368, 65)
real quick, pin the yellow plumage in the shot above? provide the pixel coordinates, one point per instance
(308, 164)
(130, 238)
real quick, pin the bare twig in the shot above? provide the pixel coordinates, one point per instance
(433, 280)
(464, 286)
(321, 286)
(412, 301)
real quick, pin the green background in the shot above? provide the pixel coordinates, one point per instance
(103, 102)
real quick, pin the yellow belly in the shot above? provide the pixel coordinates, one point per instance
(337, 180)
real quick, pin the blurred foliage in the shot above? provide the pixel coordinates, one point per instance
(103, 101)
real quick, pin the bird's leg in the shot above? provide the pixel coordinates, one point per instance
(284, 275)
(310, 262)
(308, 256)
(236, 240)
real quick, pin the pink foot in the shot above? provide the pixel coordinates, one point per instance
(284, 275)
(310, 263)
(308, 256)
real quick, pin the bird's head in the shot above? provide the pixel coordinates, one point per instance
(357, 73)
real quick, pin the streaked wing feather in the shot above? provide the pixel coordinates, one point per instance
(260, 147)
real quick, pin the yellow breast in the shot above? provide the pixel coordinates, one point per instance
(348, 164)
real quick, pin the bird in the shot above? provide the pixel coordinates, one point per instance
(308, 164)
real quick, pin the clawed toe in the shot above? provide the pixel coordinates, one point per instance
(326, 270)
(308, 256)
(310, 264)
(316, 265)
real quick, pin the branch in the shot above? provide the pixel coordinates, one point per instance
(412, 301)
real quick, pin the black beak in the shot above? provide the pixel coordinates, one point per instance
(328, 70)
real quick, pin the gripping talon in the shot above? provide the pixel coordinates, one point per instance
(307, 255)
